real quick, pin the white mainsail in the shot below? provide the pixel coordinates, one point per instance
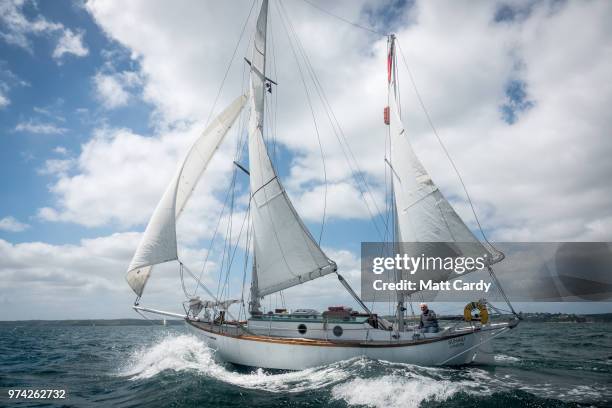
(158, 243)
(424, 215)
(286, 254)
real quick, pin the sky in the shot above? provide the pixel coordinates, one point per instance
(99, 100)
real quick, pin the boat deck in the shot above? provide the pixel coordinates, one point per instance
(232, 330)
(309, 319)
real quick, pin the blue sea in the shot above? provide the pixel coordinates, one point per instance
(536, 365)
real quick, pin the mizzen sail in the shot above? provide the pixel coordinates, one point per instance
(286, 254)
(158, 243)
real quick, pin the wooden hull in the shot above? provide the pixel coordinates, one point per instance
(298, 354)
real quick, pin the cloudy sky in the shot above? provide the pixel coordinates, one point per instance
(99, 100)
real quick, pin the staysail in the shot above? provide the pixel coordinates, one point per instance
(285, 253)
(158, 243)
(423, 214)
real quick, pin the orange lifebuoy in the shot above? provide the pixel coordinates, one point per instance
(482, 309)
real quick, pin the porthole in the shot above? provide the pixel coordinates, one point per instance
(302, 329)
(338, 331)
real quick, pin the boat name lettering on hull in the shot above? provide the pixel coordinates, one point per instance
(456, 342)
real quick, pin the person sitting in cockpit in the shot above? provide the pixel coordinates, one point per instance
(429, 321)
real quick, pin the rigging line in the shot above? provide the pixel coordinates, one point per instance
(275, 106)
(212, 241)
(242, 134)
(146, 318)
(199, 279)
(235, 249)
(228, 246)
(246, 259)
(240, 143)
(227, 231)
(203, 286)
(272, 111)
(212, 109)
(371, 30)
(182, 269)
(231, 256)
(239, 146)
(339, 133)
(446, 152)
(314, 121)
(501, 290)
(187, 295)
(231, 197)
(228, 238)
(306, 235)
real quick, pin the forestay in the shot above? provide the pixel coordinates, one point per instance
(158, 243)
(285, 252)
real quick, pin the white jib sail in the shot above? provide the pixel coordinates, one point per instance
(285, 252)
(158, 243)
(423, 213)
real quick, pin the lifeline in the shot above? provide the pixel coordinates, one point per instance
(407, 285)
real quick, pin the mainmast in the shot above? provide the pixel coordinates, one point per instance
(284, 252)
(258, 76)
(392, 93)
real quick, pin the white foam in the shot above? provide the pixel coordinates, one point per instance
(170, 353)
(187, 352)
(585, 390)
(505, 358)
(395, 390)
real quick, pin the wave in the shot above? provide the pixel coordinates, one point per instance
(395, 391)
(188, 353)
(399, 385)
(358, 381)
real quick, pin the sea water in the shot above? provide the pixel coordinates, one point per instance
(537, 364)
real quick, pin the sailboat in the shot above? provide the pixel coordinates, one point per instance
(285, 254)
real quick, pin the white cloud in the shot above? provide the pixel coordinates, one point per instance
(7, 81)
(70, 43)
(57, 167)
(16, 27)
(52, 111)
(4, 101)
(344, 201)
(62, 279)
(119, 176)
(85, 279)
(110, 91)
(61, 150)
(166, 41)
(113, 89)
(11, 224)
(32, 126)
